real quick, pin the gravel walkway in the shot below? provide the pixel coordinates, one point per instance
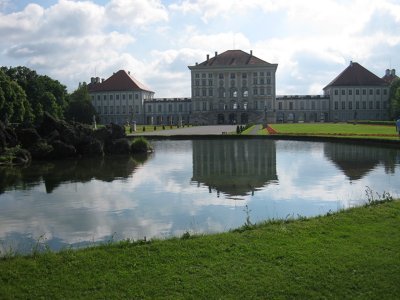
(197, 130)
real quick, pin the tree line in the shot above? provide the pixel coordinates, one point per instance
(26, 95)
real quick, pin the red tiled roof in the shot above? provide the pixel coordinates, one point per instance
(233, 58)
(120, 81)
(356, 75)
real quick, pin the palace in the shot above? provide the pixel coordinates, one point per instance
(236, 87)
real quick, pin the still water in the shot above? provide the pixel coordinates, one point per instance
(199, 186)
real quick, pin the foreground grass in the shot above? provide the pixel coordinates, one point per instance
(336, 129)
(351, 254)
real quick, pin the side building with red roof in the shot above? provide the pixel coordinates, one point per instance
(357, 94)
(120, 98)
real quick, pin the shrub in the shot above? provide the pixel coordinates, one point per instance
(140, 145)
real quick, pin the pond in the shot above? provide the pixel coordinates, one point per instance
(195, 186)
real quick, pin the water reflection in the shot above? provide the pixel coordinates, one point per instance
(356, 161)
(234, 167)
(79, 202)
(54, 173)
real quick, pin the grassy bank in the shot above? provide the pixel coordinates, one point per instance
(336, 129)
(351, 254)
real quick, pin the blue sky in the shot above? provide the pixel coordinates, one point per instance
(311, 41)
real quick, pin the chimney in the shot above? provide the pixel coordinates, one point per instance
(92, 80)
(97, 79)
(129, 72)
(102, 80)
(216, 53)
(208, 57)
(393, 73)
(251, 52)
(196, 63)
(351, 63)
(387, 73)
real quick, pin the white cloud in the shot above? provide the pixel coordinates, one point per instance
(135, 13)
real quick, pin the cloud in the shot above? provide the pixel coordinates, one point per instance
(134, 13)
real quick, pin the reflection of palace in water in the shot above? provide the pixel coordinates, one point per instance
(234, 167)
(356, 161)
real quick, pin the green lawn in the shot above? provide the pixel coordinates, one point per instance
(336, 129)
(353, 254)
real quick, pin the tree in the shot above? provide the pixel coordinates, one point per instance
(42, 92)
(80, 107)
(13, 103)
(394, 98)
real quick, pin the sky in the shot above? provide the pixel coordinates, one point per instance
(156, 40)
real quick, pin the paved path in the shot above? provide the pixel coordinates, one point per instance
(197, 130)
(255, 129)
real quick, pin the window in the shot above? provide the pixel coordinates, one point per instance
(233, 75)
(255, 91)
(169, 107)
(245, 106)
(105, 97)
(137, 108)
(123, 96)
(210, 92)
(232, 82)
(130, 97)
(149, 108)
(180, 107)
(268, 91)
(99, 109)
(268, 80)
(111, 110)
(197, 92)
(221, 92)
(371, 91)
(350, 92)
(105, 109)
(343, 105)
(197, 82)
(357, 92)
(210, 82)
(377, 105)
(371, 105)
(159, 108)
(343, 92)
(364, 105)
(378, 92)
(364, 91)
(255, 81)
(197, 75)
(116, 97)
(262, 91)
(291, 105)
(204, 92)
(385, 92)
(255, 74)
(92, 98)
(336, 92)
(245, 93)
(262, 81)
(221, 76)
(98, 97)
(301, 104)
(117, 109)
(312, 105)
(124, 109)
(261, 73)
(111, 97)
(244, 83)
(280, 105)
(203, 75)
(350, 105)
(210, 75)
(268, 73)
(136, 96)
(244, 75)
(130, 109)
(204, 105)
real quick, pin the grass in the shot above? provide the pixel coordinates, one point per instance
(350, 254)
(336, 129)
